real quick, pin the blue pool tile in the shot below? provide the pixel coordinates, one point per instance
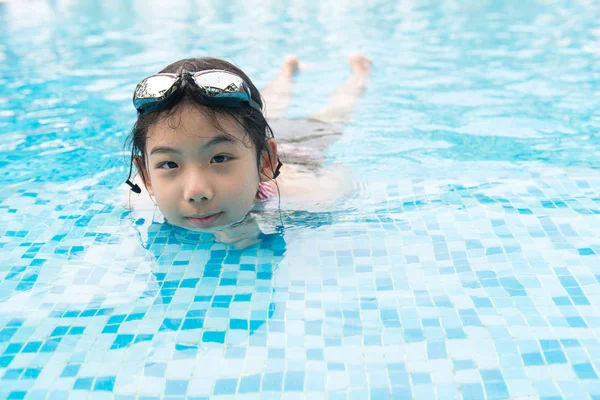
(104, 383)
(122, 341)
(60, 331)
(143, 337)
(215, 337)
(12, 374)
(496, 390)
(50, 345)
(111, 329)
(455, 333)
(585, 371)
(399, 378)
(276, 352)
(436, 350)
(491, 375)
(225, 386)
(401, 392)
(314, 354)
(463, 364)
(576, 322)
(420, 378)
(249, 384)
(555, 357)
(481, 302)
(32, 373)
(176, 387)
(83, 384)
(235, 353)
(170, 324)
(430, 322)
(272, 382)
(70, 370)
(13, 348)
(333, 366)
(294, 381)
(5, 361)
(585, 251)
(192, 323)
(155, 369)
(550, 344)
(570, 343)
(135, 317)
(32, 347)
(580, 301)
(472, 391)
(413, 335)
(76, 330)
(379, 394)
(532, 359)
(314, 382)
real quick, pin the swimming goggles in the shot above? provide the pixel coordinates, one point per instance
(216, 88)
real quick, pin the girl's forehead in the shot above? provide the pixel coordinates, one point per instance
(190, 124)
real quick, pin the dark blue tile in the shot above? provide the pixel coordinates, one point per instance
(16, 395)
(532, 359)
(32, 373)
(13, 348)
(104, 383)
(192, 323)
(32, 347)
(216, 337)
(83, 384)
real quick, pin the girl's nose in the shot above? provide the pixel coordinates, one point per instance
(198, 188)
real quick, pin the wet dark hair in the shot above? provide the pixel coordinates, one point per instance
(252, 120)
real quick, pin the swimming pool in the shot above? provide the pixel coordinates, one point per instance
(465, 266)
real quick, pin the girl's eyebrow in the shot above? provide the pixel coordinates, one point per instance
(212, 142)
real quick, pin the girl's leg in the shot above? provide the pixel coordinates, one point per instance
(342, 102)
(278, 92)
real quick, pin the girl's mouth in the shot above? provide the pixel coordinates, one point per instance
(204, 221)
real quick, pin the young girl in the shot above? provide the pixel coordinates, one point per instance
(207, 155)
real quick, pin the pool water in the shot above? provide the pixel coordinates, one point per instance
(464, 266)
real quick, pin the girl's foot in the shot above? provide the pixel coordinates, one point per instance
(359, 63)
(290, 65)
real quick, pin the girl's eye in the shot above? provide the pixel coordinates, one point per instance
(220, 159)
(167, 165)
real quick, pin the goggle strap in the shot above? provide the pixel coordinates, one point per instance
(134, 187)
(277, 169)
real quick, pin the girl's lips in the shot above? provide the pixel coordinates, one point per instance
(204, 222)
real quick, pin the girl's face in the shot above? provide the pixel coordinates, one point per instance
(201, 178)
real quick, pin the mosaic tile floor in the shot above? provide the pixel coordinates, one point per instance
(435, 290)
(465, 266)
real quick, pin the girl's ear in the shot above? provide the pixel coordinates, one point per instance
(268, 161)
(139, 164)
